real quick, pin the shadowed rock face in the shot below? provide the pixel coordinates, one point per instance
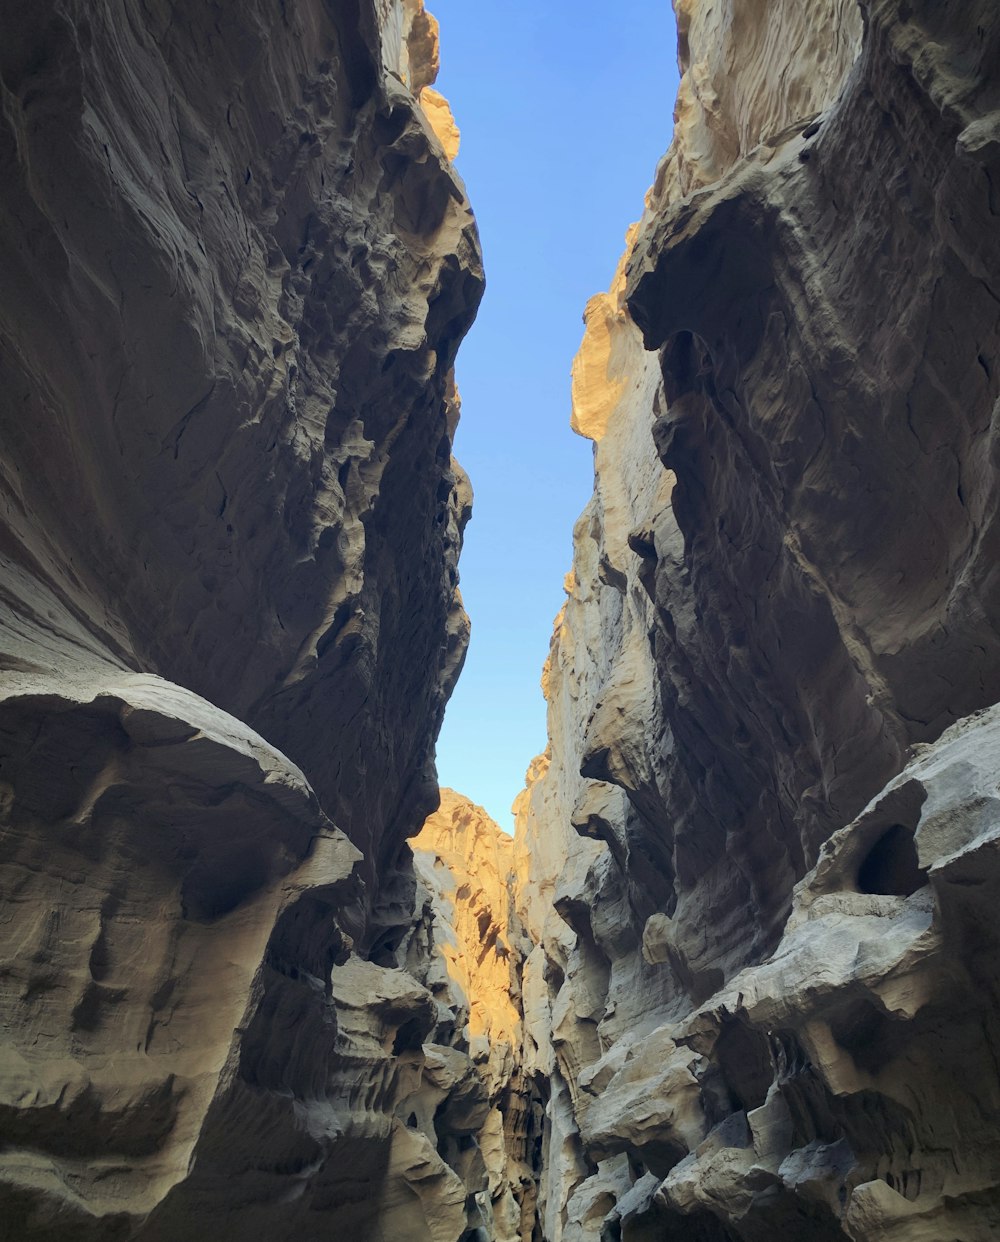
(238, 270)
(839, 602)
(761, 981)
(237, 266)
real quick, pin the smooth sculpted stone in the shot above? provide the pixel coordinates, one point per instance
(735, 978)
(237, 267)
(153, 846)
(764, 977)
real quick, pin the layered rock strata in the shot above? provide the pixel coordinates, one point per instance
(763, 989)
(237, 265)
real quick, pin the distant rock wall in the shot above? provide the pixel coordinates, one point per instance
(236, 266)
(469, 951)
(762, 892)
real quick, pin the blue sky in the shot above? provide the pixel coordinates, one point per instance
(564, 111)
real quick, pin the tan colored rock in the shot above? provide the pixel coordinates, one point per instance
(410, 42)
(477, 949)
(749, 73)
(411, 52)
(438, 112)
(608, 358)
(469, 862)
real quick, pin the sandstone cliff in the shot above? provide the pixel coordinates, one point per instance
(237, 265)
(764, 906)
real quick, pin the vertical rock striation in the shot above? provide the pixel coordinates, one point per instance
(237, 266)
(762, 988)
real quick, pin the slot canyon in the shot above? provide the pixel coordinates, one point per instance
(734, 977)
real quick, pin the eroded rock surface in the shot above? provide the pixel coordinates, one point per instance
(760, 988)
(237, 266)
(469, 950)
(735, 978)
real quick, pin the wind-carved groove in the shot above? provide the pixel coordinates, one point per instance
(230, 621)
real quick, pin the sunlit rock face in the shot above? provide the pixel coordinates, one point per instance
(469, 950)
(237, 266)
(765, 982)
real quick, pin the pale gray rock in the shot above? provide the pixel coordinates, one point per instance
(237, 266)
(766, 993)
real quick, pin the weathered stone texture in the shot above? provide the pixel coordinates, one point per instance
(764, 1012)
(735, 978)
(237, 265)
(469, 951)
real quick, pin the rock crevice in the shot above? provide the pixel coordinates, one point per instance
(734, 977)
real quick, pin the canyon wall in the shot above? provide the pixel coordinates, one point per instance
(762, 838)
(469, 950)
(734, 977)
(237, 266)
